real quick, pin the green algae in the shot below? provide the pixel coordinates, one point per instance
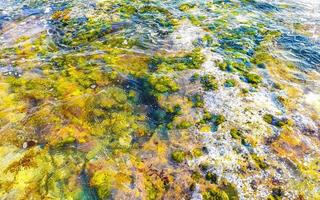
(270, 119)
(215, 194)
(178, 156)
(186, 6)
(213, 178)
(244, 91)
(205, 41)
(102, 181)
(211, 119)
(163, 84)
(218, 119)
(197, 152)
(259, 161)
(197, 100)
(253, 78)
(196, 176)
(230, 190)
(194, 77)
(278, 86)
(184, 125)
(235, 133)
(204, 166)
(192, 60)
(209, 82)
(91, 102)
(277, 194)
(230, 83)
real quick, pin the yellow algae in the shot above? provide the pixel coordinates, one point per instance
(288, 135)
(100, 105)
(171, 101)
(68, 134)
(205, 128)
(28, 172)
(158, 148)
(197, 152)
(289, 145)
(110, 174)
(132, 64)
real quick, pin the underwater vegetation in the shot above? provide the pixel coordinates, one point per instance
(157, 100)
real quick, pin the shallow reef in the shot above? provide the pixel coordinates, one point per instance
(119, 99)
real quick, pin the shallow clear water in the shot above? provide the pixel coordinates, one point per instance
(119, 99)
